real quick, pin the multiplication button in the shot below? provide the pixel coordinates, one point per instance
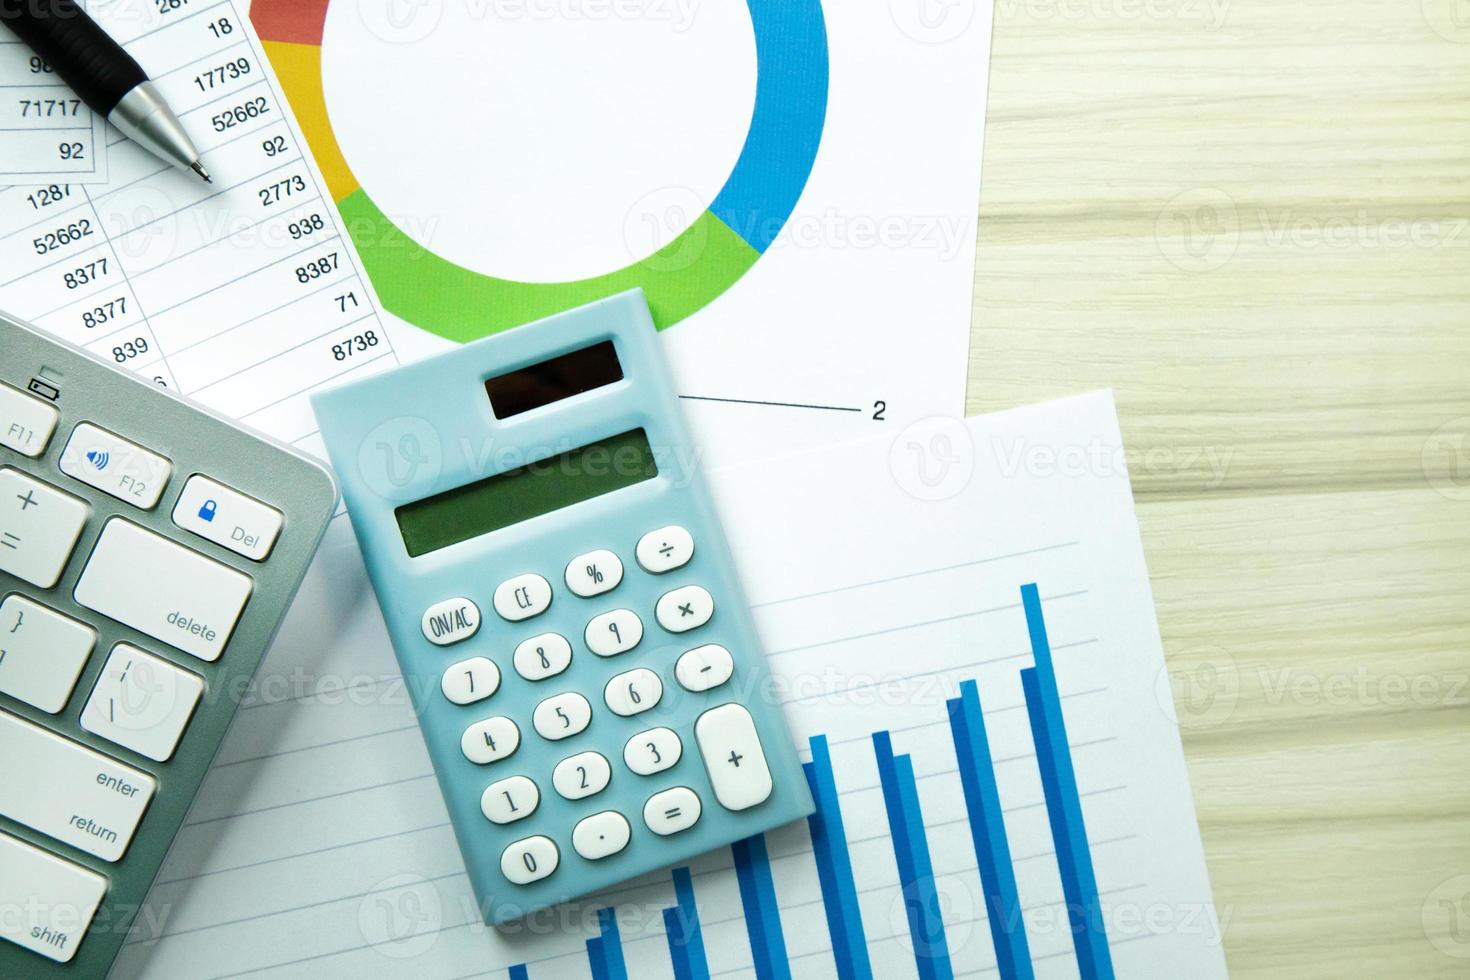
(685, 609)
(666, 549)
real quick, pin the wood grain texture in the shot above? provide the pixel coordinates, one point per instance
(1251, 219)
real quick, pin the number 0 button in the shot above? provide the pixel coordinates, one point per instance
(529, 860)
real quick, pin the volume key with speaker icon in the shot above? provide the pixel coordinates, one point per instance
(116, 466)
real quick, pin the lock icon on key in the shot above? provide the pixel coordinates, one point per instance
(207, 512)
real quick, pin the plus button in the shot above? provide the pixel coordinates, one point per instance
(735, 758)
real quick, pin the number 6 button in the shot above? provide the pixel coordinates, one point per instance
(634, 692)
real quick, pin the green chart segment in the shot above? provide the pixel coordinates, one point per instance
(710, 256)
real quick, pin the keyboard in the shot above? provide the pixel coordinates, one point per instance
(148, 552)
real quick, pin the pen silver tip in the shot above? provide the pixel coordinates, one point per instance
(198, 168)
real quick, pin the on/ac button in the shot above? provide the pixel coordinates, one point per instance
(227, 517)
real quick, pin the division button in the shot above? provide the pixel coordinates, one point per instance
(594, 573)
(685, 609)
(529, 860)
(666, 549)
(601, 835)
(671, 811)
(733, 756)
(704, 668)
(451, 621)
(522, 597)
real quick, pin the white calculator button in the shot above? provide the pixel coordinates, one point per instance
(115, 466)
(634, 692)
(52, 900)
(704, 668)
(26, 423)
(227, 517)
(142, 702)
(451, 621)
(510, 800)
(41, 653)
(470, 680)
(529, 860)
(522, 597)
(685, 609)
(601, 835)
(614, 632)
(39, 527)
(582, 775)
(490, 740)
(732, 754)
(543, 656)
(562, 716)
(653, 751)
(67, 791)
(594, 573)
(163, 589)
(666, 549)
(671, 811)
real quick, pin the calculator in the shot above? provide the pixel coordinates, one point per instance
(148, 551)
(564, 607)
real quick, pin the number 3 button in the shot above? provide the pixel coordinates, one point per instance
(653, 751)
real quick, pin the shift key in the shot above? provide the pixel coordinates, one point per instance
(163, 589)
(69, 792)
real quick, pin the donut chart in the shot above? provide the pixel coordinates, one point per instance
(706, 259)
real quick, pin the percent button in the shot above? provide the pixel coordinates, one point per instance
(594, 573)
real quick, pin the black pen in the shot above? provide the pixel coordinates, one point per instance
(103, 75)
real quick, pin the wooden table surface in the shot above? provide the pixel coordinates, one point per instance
(1251, 219)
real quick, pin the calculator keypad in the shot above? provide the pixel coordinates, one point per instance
(451, 621)
(562, 716)
(529, 860)
(39, 527)
(634, 692)
(704, 668)
(470, 680)
(601, 835)
(543, 656)
(672, 811)
(733, 756)
(594, 573)
(685, 609)
(666, 549)
(510, 800)
(490, 740)
(653, 751)
(522, 597)
(614, 632)
(42, 653)
(582, 775)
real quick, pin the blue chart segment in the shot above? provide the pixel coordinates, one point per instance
(927, 936)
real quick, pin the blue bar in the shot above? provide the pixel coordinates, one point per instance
(605, 952)
(1063, 801)
(834, 868)
(911, 848)
(686, 939)
(518, 972)
(987, 828)
(762, 915)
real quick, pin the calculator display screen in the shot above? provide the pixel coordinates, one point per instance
(529, 491)
(551, 381)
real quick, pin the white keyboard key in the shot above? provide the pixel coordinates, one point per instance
(67, 791)
(115, 466)
(142, 702)
(41, 653)
(653, 751)
(451, 621)
(529, 860)
(39, 527)
(510, 800)
(732, 754)
(582, 775)
(470, 680)
(704, 668)
(227, 517)
(634, 692)
(26, 423)
(666, 549)
(522, 597)
(490, 740)
(163, 589)
(685, 609)
(594, 573)
(543, 656)
(672, 810)
(601, 835)
(562, 716)
(614, 632)
(49, 902)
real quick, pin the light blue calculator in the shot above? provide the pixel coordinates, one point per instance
(564, 606)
